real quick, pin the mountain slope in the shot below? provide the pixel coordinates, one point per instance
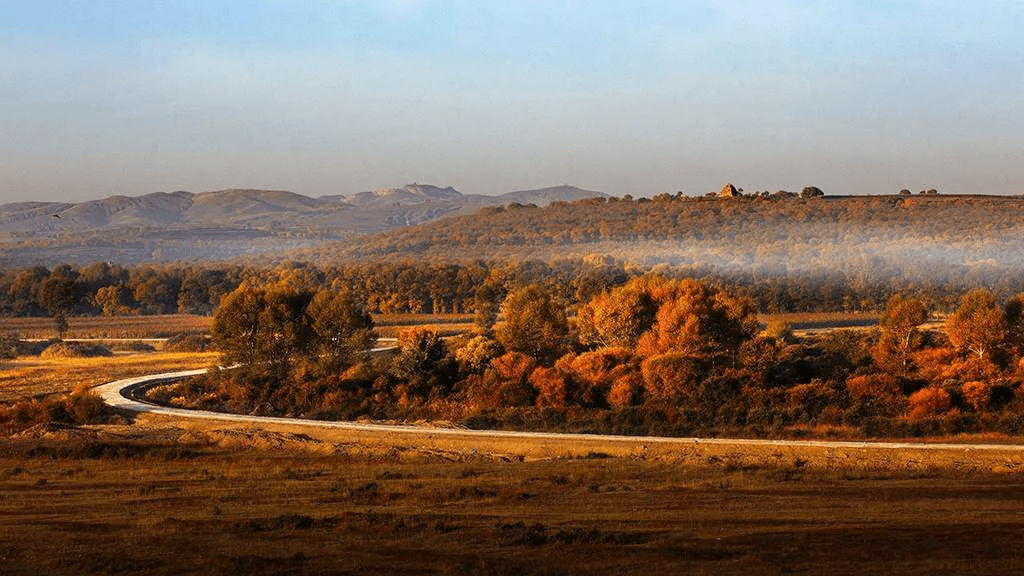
(225, 223)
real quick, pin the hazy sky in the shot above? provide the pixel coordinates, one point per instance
(101, 97)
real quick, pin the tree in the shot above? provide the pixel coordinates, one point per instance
(534, 325)
(1013, 314)
(900, 336)
(811, 192)
(616, 318)
(698, 320)
(424, 367)
(342, 330)
(57, 296)
(978, 325)
(262, 329)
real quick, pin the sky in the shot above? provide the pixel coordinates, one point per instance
(105, 97)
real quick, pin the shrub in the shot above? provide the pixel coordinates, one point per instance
(75, 350)
(926, 402)
(626, 390)
(186, 343)
(551, 386)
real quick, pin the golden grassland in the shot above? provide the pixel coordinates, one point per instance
(164, 326)
(108, 327)
(30, 376)
(165, 497)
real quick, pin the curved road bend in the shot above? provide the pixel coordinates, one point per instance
(129, 393)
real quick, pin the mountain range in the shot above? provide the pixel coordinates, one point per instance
(231, 223)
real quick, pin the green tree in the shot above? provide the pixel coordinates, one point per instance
(424, 366)
(533, 325)
(262, 329)
(342, 330)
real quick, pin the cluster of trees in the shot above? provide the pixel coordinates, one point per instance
(652, 355)
(471, 287)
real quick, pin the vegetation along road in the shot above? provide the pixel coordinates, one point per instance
(129, 394)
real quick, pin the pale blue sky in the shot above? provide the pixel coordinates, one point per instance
(319, 97)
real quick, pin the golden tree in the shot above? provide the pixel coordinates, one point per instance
(900, 334)
(978, 325)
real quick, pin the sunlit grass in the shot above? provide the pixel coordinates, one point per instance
(30, 376)
(161, 326)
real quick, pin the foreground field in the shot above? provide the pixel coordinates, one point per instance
(223, 500)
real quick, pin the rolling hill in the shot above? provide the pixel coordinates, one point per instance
(227, 224)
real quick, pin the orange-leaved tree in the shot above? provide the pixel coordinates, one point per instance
(900, 334)
(978, 325)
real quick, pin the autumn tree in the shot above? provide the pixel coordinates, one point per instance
(113, 300)
(533, 325)
(978, 325)
(698, 320)
(1013, 314)
(424, 368)
(617, 317)
(342, 329)
(900, 334)
(57, 296)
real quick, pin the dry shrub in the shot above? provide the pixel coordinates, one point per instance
(505, 383)
(876, 394)
(669, 377)
(8, 347)
(977, 394)
(75, 350)
(551, 387)
(926, 402)
(932, 363)
(186, 343)
(939, 365)
(806, 402)
(626, 390)
(595, 371)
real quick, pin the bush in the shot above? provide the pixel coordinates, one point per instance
(926, 402)
(75, 350)
(186, 343)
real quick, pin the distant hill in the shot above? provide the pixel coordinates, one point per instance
(953, 239)
(228, 223)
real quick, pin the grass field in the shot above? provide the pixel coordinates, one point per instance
(30, 376)
(246, 501)
(108, 327)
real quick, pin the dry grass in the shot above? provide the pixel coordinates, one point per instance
(822, 320)
(30, 376)
(108, 327)
(207, 501)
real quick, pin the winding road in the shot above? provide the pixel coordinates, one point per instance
(129, 394)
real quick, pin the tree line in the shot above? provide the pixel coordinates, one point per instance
(653, 355)
(476, 287)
